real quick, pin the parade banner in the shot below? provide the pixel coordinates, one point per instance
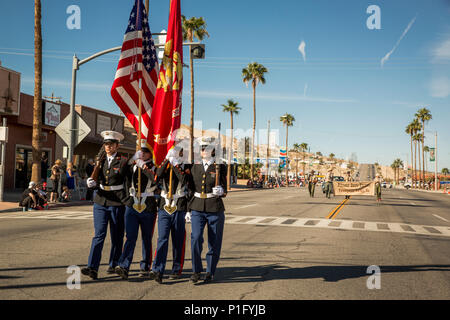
(363, 188)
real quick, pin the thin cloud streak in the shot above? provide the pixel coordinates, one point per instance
(386, 57)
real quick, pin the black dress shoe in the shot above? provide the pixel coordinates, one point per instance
(158, 277)
(195, 277)
(122, 272)
(208, 278)
(111, 270)
(144, 274)
(93, 274)
(174, 276)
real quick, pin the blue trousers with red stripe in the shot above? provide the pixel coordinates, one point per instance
(174, 225)
(215, 222)
(114, 216)
(133, 220)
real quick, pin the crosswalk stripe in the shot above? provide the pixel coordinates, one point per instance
(342, 224)
(272, 221)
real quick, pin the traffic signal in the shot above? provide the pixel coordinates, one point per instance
(198, 51)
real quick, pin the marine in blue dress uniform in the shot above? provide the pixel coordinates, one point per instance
(108, 203)
(171, 214)
(135, 217)
(206, 208)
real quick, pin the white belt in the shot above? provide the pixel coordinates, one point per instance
(204, 195)
(174, 196)
(147, 193)
(111, 188)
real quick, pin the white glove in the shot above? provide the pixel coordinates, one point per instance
(171, 154)
(187, 217)
(174, 161)
(140, 163)
(137, 155)
(218, 191)
(91, 183)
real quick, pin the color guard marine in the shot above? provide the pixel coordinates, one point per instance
(108, 179)
(209, 185)
(141, 210)
(174, 176)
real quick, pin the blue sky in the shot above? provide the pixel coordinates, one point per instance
(342, 98)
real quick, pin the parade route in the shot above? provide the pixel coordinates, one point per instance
(278, 244)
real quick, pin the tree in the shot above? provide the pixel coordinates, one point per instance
(396, 165)
(297, 148)
(37, 102)
(254, 72)
(304, 147)
(193, 27)
(410, 130)
(415, 127)
(423, 115)
(331, 156)
(288, 121)
(417, 138)
(445, 171)
(232, 108)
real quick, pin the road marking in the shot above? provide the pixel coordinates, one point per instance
(336, 210)
(368, 226)
(439, 217)
(249, 205)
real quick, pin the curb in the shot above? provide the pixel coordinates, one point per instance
(51, 206)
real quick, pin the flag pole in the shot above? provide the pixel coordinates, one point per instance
(139, 140)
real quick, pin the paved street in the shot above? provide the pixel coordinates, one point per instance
(278, 244)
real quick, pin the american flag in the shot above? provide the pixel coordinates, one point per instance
(138, 61)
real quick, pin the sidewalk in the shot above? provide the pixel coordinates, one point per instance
(440, 191)
(11, 200)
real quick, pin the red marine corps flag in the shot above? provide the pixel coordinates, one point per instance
(166, 114)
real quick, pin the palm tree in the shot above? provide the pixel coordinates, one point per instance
(445, 171)
(304, 147)
(424, 115)
(37, 103)
(254, 73)
(415, 127)
(417, 139)
(396, 165)
(193, 27)
(232, 108)
(410, 130)
(297, 148)
(288, 121)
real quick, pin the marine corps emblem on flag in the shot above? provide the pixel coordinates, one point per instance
(171, 72)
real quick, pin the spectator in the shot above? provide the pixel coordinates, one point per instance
(56, 180)
(66, 194)
(41, 197)
(44, 167)
(70, 175)
(29, 198)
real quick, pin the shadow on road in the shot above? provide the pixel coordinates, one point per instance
(260, 274)
(327, 273)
